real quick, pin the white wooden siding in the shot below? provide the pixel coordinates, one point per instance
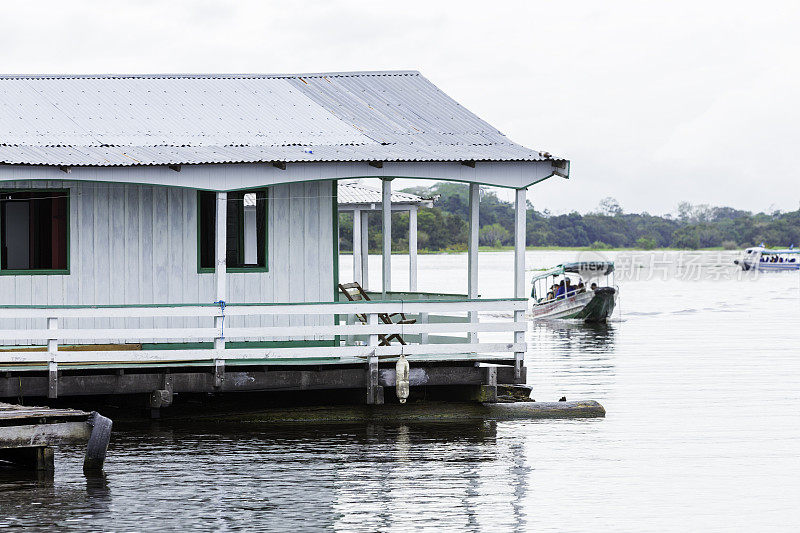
(137, 244)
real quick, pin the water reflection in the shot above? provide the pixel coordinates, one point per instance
(15, 478)
(356, 477)
(571, 358)
(97, 490)
(568, 337)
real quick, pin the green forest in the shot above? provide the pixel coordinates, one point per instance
(445, 226)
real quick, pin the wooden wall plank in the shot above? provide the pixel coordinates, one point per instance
(146, 268)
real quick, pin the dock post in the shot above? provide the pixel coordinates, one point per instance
(52, 379)
(374, 390)
(52, 366)
(487, 391)
(219, 372)
(97, 446)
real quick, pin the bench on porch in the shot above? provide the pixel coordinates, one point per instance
(354, 292)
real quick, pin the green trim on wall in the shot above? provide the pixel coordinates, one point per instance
(236, 270)
(239, 345)
(35, 272)
(42, 271)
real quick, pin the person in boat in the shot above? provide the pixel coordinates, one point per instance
(593, 286)
(562, 289)
(571, 289)
(581, 286)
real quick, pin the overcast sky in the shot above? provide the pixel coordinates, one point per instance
(653, 102)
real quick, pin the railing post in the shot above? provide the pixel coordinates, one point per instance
(423, 319)
(52, 366)
(350, 339)
(221, 252)
(519, 338)
(374, 390)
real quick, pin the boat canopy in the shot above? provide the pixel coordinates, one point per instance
(586, 270)
(767, 251)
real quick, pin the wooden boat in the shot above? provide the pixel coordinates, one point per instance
(765, 259)
(556, 297)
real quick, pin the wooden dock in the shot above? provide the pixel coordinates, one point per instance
(28, 435)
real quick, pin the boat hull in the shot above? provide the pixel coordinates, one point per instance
(588, 306)
(768, 267)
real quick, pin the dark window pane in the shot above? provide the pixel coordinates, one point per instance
(207, 214)
(34, 230)
(237, 243)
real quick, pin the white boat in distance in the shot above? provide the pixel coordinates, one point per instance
(559, 298)
(760, 258)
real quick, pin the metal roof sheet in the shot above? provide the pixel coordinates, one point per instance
(193, 119)
(357, 194)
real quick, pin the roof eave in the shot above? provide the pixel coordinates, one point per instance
(504, 174)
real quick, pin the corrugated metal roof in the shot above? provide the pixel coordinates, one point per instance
(357, 194)
(192, 119)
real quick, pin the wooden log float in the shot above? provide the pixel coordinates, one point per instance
(456, 412)
(28, 434)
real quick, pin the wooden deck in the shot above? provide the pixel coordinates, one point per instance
(28, 434)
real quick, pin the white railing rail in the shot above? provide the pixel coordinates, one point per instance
(51, 334)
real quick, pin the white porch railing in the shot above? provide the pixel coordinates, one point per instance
(44, 327)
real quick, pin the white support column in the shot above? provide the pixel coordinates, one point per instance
(365, 249)
(520, 208)
(472, 257)
(357, 247)
(519, 243)
(412, 249)
(386, 214)
(221, 239)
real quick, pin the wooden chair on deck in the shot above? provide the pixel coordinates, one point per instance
(354, 292)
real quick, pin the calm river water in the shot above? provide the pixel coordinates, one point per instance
(699, 372)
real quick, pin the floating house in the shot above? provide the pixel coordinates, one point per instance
(179, 233)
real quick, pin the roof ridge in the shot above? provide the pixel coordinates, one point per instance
(215, 76)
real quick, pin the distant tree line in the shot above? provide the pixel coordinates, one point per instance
(445, 226)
